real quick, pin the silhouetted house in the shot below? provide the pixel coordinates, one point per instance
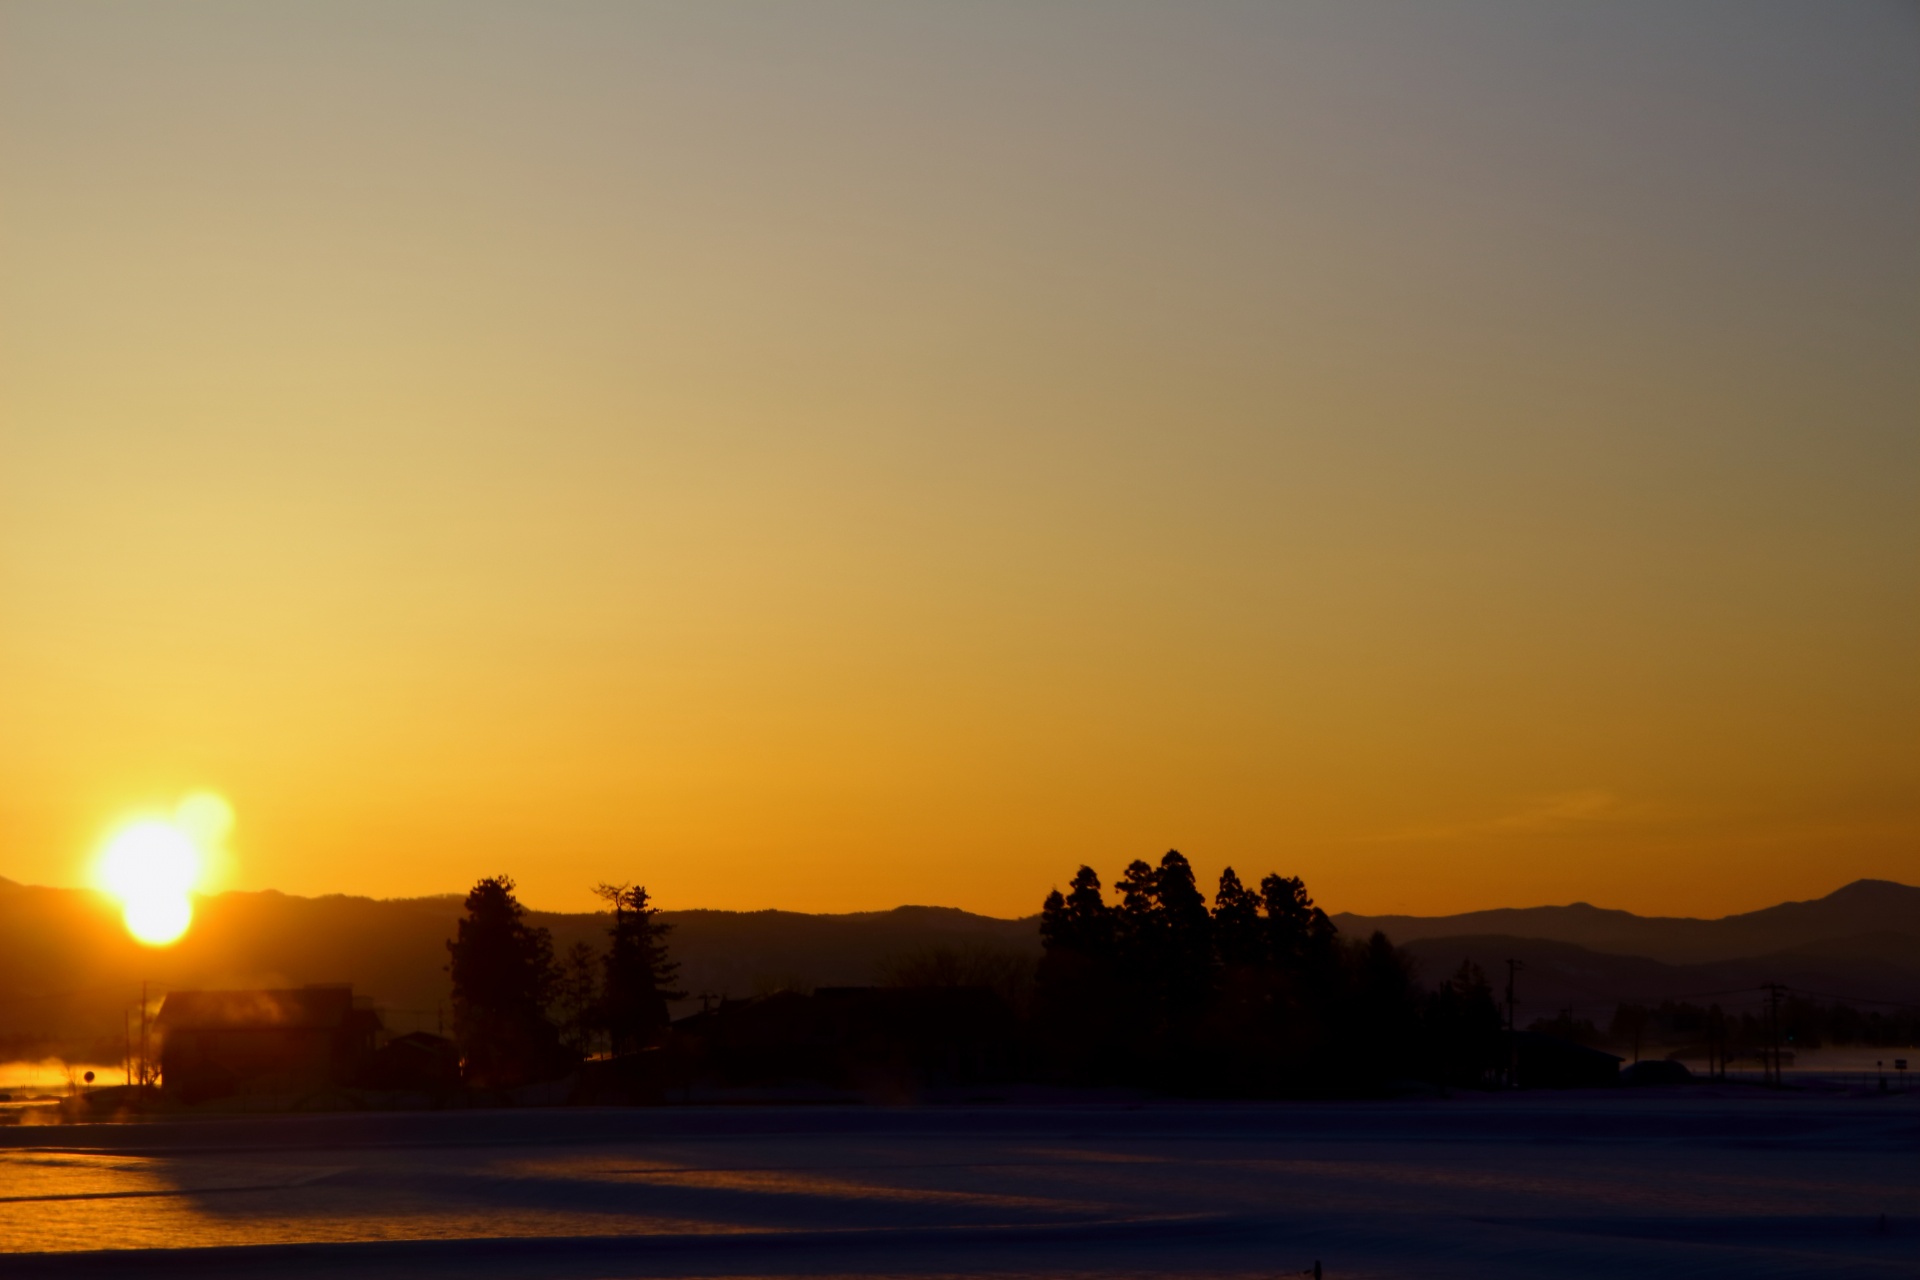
(1548, 1062)
(214, 1043)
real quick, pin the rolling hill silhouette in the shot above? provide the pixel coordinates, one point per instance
(1863, 907)
(1869, 969)
(1860, 943)
(68, 970)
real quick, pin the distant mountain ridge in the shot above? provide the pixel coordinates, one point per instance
(1859, 944)
(1868, 970)
(68, 971)
(68, 968)
(1863, 907)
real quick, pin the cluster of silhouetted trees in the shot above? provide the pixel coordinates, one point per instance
(1252, 994)
(1255, 994)
(521, 1015)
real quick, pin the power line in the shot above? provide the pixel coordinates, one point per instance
(1513, 1040)
(1774, 991)
(1758, 992)
(1601, 999)
(1702, 995)
(1828, 995)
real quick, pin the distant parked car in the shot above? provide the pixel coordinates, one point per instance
(1656, 1071)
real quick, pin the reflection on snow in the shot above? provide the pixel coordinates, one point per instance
(1425, 1178)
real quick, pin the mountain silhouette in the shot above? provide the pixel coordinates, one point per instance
(1881, 968)
(68, 971)
(1863, 907)
(68, 968)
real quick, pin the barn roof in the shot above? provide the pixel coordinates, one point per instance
(298, 1009)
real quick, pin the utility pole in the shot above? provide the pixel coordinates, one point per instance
(1513, 1041)
(1774, 991)
(126, 1059)
(143, 1034)
(1717, 1037)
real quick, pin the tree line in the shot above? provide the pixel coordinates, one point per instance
(520, 1014)
(1256, 994)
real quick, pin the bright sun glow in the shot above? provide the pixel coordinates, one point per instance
(152, 864)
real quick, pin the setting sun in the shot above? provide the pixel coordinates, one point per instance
(959, 598)
(152, 864)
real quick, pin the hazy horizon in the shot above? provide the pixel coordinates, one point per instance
(1332, 908)
(1460, 455)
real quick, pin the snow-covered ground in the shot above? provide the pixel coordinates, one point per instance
(1707, 1181)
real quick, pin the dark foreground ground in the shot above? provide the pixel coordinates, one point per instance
(1688, 1182)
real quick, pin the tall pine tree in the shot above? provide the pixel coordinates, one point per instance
(1186, 931)
(1079, 991)
(639, 973)
(503, 978)
(1237, 934)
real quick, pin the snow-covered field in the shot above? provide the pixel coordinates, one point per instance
(1688, 1182)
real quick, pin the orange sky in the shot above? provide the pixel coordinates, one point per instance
(1466, 456)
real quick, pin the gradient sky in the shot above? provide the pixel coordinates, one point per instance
(835, 455)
